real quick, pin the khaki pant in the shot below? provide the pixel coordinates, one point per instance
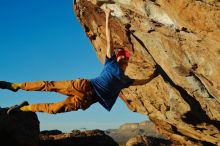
(79, 92)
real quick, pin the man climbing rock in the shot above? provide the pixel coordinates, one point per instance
(83, 92)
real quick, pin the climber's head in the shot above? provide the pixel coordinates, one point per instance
(122, 58)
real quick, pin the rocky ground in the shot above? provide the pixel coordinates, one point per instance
(76, 138)
(22, 129)
(127, 135)
(98, 138)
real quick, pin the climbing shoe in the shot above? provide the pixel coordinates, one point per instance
(9, 86)
(16, 108)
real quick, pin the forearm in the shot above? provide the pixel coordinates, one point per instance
(140, 82)
(108, 37)
(144, 81)
(108, 40)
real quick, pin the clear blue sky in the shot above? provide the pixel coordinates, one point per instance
(43, 40)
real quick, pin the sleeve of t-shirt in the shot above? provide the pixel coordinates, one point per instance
(129, 81)
(109, 60)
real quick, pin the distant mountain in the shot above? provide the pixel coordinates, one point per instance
(130, 130)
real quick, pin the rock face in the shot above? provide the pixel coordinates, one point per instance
(76, 138)
(19, 129)
(180, 39)
(147, 141)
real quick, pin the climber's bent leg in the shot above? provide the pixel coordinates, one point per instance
(51, 108)
(72, 103)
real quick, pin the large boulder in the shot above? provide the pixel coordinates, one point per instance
(179, 39)
(19, 129)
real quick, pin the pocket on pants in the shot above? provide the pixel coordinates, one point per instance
(79, 102)
(86, 101)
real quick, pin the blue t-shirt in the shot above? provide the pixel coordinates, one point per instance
(110, 82)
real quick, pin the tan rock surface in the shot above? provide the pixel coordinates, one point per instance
(142, 140)
(181, 40)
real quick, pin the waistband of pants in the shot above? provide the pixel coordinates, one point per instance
(94, 95)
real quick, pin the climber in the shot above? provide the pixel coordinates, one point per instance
(82, 92)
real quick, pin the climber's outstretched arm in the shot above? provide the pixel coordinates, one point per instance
(144, 81)
(109, 48)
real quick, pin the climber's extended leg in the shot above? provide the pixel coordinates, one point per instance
(70, 87)
(10, 86)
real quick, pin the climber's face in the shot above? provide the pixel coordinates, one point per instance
(123, 62)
